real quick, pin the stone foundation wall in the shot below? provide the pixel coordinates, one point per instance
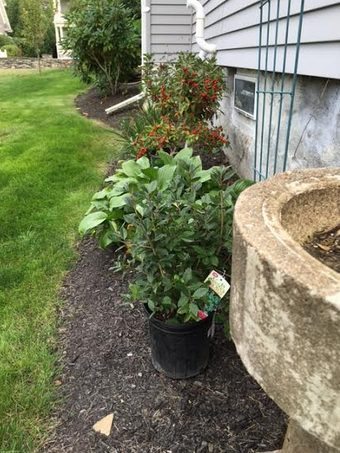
(315, 134)
(32, 63)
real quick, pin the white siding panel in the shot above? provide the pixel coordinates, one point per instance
(218, 10)
(168, 2)
(311, 31)
(171, 39)
(171, 28)
(172, 10)
(163, 19)
(315, 59)
(233, 25)
(178, 29)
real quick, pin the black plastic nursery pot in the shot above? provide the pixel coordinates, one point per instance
(179, 351)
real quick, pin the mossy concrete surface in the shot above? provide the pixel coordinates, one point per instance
(285, 305)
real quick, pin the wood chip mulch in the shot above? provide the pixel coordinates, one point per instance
(105, 358)
(106, 369)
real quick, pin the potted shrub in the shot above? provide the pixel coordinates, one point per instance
(175, 220)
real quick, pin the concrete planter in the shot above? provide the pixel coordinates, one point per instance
(285, 305)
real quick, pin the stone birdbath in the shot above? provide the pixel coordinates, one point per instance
(285, 304)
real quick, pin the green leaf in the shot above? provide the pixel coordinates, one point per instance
(240, 185)
(143, 162)
(118, 202)
(140, 210)
(151, 173)
(131, 168)
(200, 293)
(107, 239)
(118, 189)
(183, 300)
(91, 221)
(151, 187)
(165, 175)
(187, 276)
(134, 291)
(203, 175)
(151, 305)
(184, 154)
(165, 158)
(193, 309)
(166, 302)
(100, 195)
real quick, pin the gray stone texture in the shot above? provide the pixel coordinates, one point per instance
(315, 134)
(32, 63)
(285, 304)
(299, 441)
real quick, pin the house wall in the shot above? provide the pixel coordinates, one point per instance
(170, 29)
(233, 25)
(60, 27)
(315, 133)
(4, 22)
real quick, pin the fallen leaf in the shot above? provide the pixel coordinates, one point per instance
(104, 425)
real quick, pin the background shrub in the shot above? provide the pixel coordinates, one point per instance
(183, 97)
(12, 50)
(104, 41)
(5, 40)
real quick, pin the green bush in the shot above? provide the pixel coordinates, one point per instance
(184, 97)
(5, 40)
(174, 220)
(12, 50)
(104, 42)
(189, 89)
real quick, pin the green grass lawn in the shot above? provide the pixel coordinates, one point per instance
(51, 162)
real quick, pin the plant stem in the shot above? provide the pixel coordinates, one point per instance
(221, 222)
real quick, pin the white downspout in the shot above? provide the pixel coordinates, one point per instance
(145, 28)
(200, 18)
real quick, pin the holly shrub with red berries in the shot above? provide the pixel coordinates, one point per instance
(184, 97)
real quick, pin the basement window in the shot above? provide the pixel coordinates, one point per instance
(245, 95)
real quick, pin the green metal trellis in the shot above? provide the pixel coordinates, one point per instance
(272, 131)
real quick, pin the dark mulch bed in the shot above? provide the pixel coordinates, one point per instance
(222, 410)
(92, 105)
(105, 358)
(325, 247)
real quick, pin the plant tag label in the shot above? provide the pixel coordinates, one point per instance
(218, 284)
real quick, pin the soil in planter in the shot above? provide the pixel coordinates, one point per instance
(325, 247)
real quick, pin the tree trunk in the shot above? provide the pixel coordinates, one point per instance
(39, 62)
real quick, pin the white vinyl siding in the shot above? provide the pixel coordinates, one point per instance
(170, 28)
(4, 22)
(233, 25)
